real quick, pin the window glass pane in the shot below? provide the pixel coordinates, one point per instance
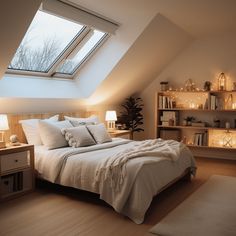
(45, 40)
(71, 64)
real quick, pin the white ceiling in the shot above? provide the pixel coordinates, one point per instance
(197, 17)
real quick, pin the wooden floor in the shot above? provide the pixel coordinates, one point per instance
(59, 211)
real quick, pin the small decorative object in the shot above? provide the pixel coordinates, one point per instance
(111, 119)
(227, 139)
(14, 140)
(184, 123)
(3, 127)
(199, 124)
(216, 123)
(200, 106)
(189, 120)
(189, 85)
(207, 86)
(227, 125)
(164, 85)
(229, 102)
(222, 82)
(119, 126)
(234, 106)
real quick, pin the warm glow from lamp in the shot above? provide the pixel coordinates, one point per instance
(222, 82)
(111, 118)
(3, 126)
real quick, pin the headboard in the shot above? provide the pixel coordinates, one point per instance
(15, 127)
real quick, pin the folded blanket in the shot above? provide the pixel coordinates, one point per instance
(114, 168)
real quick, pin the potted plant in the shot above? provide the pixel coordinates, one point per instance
(131, 115)
(189, 120)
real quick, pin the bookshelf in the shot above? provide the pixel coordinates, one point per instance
(16, 171)
(204, 120)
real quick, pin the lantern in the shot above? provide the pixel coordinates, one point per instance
(222, 82)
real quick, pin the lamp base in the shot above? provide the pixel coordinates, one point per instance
(2, 144)
(111, 125)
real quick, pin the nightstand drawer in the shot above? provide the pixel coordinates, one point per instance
(14, 161)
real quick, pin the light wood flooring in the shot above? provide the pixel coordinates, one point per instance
(56, 211)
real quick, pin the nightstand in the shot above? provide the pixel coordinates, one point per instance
(120, 133)
(16, 171)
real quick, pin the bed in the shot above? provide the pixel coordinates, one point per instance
(145, 176)
(126, 174)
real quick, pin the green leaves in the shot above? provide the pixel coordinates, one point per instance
(131, 116)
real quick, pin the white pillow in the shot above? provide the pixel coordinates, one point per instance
(31, 130)
(99, 133)
(51, 134)
(81, 121)
(78, 136)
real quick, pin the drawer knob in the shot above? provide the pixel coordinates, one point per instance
(16, 160)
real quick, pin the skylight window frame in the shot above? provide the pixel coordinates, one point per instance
(90, 22)
(85, 59)
(51, 70)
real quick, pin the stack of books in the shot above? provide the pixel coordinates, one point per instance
(166, 102)
(200, 139)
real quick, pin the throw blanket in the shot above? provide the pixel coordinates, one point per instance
(113, 169)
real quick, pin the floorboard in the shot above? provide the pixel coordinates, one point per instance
(52, 210)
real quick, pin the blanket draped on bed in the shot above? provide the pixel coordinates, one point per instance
(114, 168)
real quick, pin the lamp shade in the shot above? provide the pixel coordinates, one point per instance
(3, 122)
(111, 116)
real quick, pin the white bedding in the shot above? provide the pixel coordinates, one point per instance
(145, 175)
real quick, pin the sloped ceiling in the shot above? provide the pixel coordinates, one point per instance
(152, 51)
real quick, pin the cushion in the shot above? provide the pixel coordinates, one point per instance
(51, 134)
(76, 123)
(31, 130)
(78, 136)
(81, 121)
(99, 133)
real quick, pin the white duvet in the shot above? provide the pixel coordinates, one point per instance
(144, 171)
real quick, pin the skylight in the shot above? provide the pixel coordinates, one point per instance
(74, 61)
(44, 42)
(55, 46)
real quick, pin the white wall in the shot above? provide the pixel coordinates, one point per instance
(202, 60)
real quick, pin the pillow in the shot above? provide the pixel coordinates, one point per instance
(99, 133)
(76, 123)
(81, 121)
(78, 136)
(51, 134)
(31, 130)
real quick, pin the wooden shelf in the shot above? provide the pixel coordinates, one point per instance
(199, 91)
(181, 100)
(189, 109)
(194, 127)
(211, 147)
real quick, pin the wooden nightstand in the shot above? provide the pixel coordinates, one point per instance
(120, 133)
(16, 171)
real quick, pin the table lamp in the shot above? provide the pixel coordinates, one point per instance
(111, 118)
(3, 127)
